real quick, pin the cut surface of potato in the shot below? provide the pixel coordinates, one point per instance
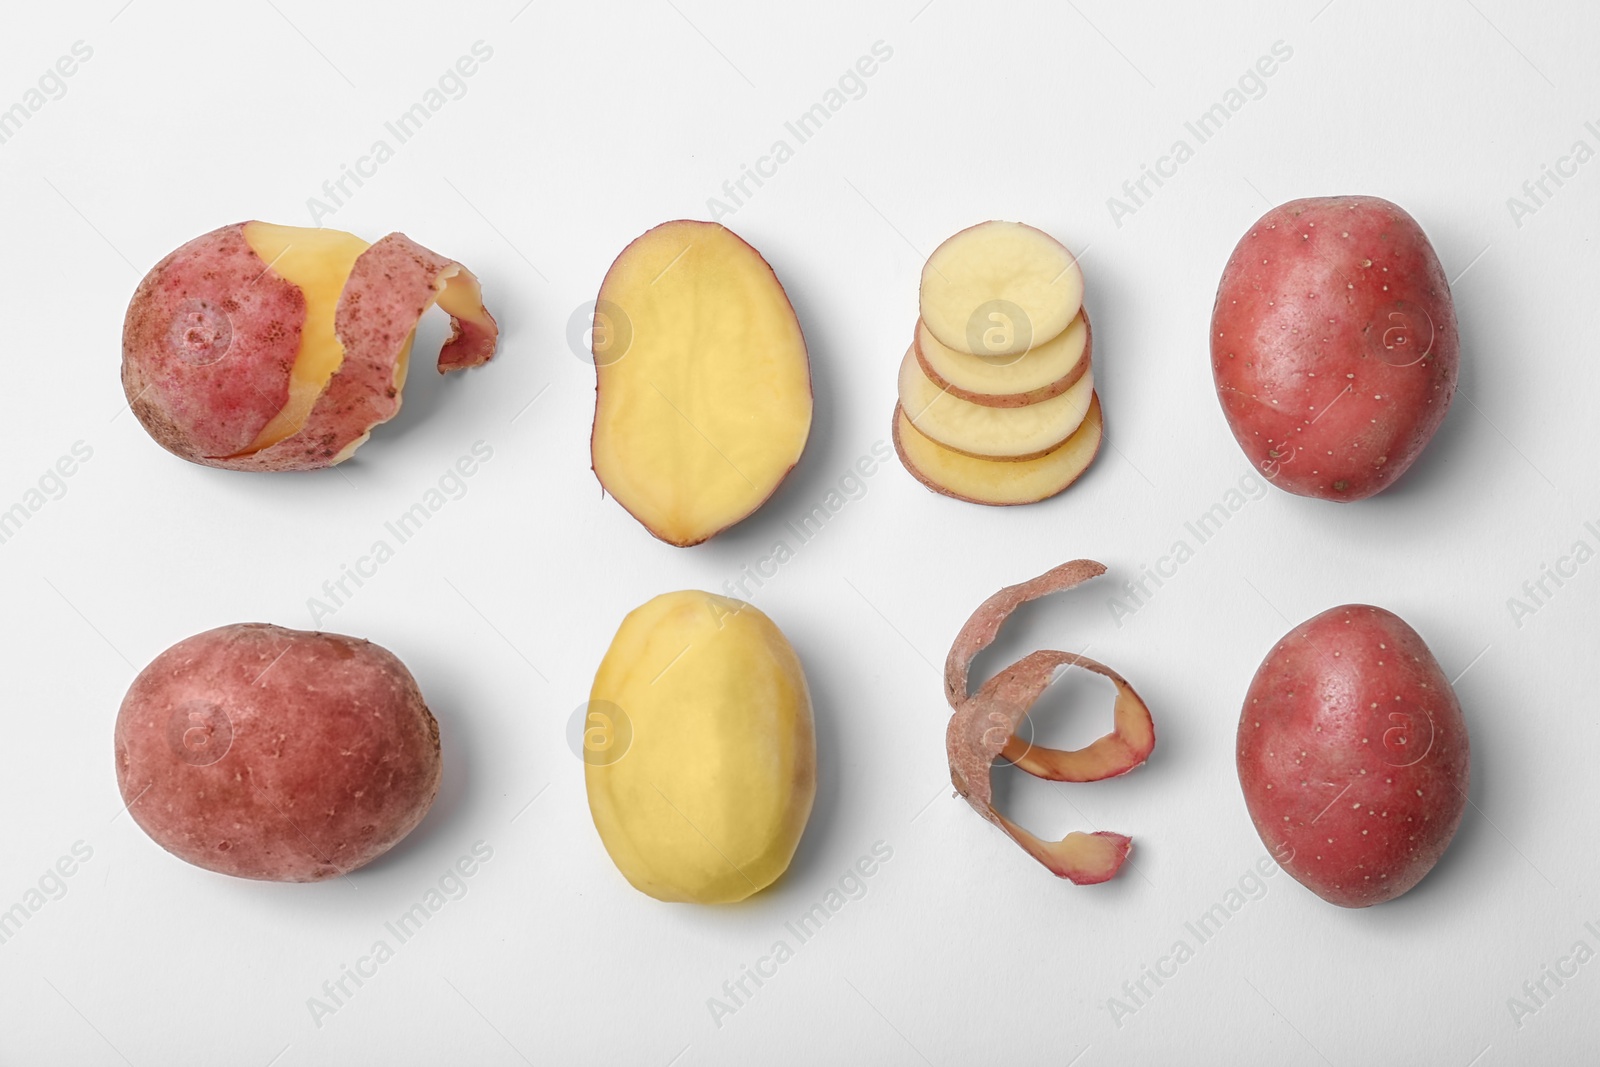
(990, 432)
(703, 388)
(1040, 373)
(318, 263)
(998, 481)
(999, 289)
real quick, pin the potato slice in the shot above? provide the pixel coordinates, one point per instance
(992, 481)
(988, 432)
(703, 387)
(1042, 372)
(999, 289)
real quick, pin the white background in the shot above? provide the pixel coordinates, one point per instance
(593, 122)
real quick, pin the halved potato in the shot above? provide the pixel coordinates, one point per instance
(703, 387)
(990, 432)
(1040, 373)
(1000, 288)
(998, 482)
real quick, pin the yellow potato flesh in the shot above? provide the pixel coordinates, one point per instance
(703, 398)
(318, 263)
(993, 481)
(1000, 288)
(1003, 376)
(989, 432)
(708, 801)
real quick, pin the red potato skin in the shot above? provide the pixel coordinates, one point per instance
(1333, 345)
(275, 754)
(391, 285)
(1353, 756)
(1011, 400)
(208, 343)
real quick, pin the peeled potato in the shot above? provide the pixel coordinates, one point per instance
(999, 289)
(278, 348)
(703, 387)
(1042, 372)
(708, 801)
(998, 481)
(991, 432)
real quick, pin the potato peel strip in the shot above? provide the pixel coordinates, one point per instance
(983, 726)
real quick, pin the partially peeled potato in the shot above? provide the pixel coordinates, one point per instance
(279, 348)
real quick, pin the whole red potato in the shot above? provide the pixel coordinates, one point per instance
(277, 754)
(1353, 756)
(1333, 345)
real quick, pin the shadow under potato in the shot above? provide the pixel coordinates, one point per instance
(461, 750)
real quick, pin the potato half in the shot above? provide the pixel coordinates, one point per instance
(703, 387)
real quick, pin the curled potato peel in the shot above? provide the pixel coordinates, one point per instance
(984, 726)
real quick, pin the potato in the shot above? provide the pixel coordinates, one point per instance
(992, 432)
(1333, 345)
(277, 348)
(999, 289)
(1353, 756)
(702, 383)
(998, 482)
(276, 754)
(708, 801)
(1042, 372)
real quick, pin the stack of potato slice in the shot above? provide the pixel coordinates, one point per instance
(997, 401)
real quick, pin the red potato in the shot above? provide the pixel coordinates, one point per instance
(1333, 345)
(1353, 756)
(276, 754)
(276, 348)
